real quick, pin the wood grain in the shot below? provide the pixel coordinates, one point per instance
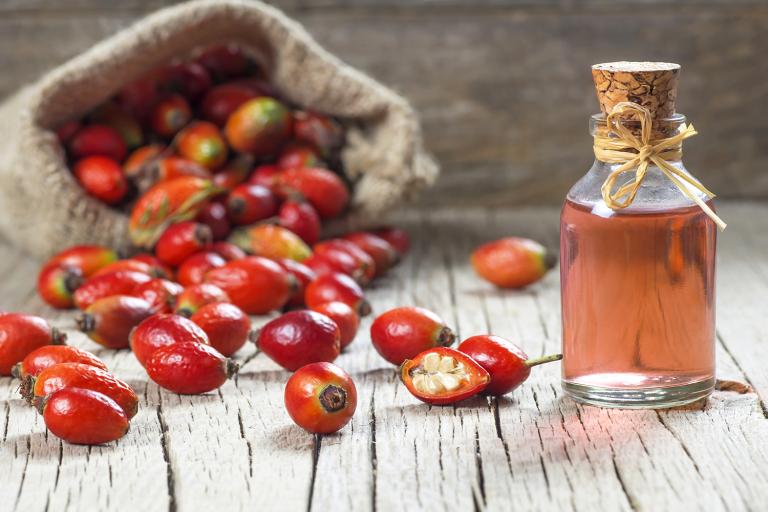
(507, 129)
(236, 449)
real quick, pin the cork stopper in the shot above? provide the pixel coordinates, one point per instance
(651, 84)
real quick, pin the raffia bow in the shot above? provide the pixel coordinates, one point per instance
(637, 154)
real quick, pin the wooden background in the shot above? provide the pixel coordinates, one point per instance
(503, 87)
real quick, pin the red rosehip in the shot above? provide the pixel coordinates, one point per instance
(129, 265)
(56, 284)
(198, 295)
(88, 259)
(398, 238)
(336, 287)
(383, 254)
(301, 218)
(182, 240)
(20, 334)
(214, 215)
(109, 321)
(251, 203)
(226, 61)
(170, 115)
(138, 97)
(113, 115)
(228, 251)
(512, 262)
(254, 284)
(321, 132)
(443, 376)
(344, 316)
(320, 398)
(403, 333)
(82, 416)
(98, 140)
(265, 175)
(347, 258)
(51, 355)
(259, 127)
(116, 283)
(226, 325)
(158, 267)
(202, 142)
(232, 175)
(190, 79)
(190, 368)
(102, 178)
(141, 160)
(160, 293)
(505, 362)
(270, 241)
(322, 188)
(297, 338)
(303, 276)
(193, 269)
(222, 101)
(299, 156)
(161, 330)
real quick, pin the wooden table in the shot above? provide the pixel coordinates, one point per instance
(236, 449)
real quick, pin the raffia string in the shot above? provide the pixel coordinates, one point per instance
(637, 154)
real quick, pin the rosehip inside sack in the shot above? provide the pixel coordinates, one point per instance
(42, 207)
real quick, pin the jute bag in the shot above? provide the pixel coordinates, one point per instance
(43, 209)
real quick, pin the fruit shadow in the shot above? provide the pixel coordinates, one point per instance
(291, 438)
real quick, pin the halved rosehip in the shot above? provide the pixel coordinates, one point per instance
(443, 376)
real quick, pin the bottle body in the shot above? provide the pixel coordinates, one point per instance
(638, 296)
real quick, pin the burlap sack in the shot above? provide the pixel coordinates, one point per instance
(43, 208)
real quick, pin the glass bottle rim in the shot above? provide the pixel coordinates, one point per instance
(668, 124)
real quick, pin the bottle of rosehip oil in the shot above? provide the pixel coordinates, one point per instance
(638, 237)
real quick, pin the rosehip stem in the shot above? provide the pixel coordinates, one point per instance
(541, 360)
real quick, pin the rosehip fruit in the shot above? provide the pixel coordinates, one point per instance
(97, 140)
(171, 167)
(322, 188)
(214, 215)
(320, 398)
(259, 126)
(202, 142)
(254, 284)
(505, 362)
(337, 287)
(442, 376)
(109, 321)
(182, 240)
(161, 330)
(20, 334)
(251, 203)
(167, 202)
(303, 276)
(66, 375)
(270, 241)
(190, 79)
(225, 61)
(89, 259)
(383, 254)
(139, 96)
(319, 131)
(141, 160)
(170, 115)
(228, 251)
(344, 316)
(222, 101)
(512, 262)
(232, 175)
(82, 416)
(116, 283)
(102, 178)
(112, 115)
(403, 333)
(398, 238)
(265, 175)
(51, 355)
(301, 218)
(299, 156)
(158, 267)
(193, 269)
(190, 368)
(347, 258)
(56, 284)
(129, 265)
(226, 325)
(297, 338)
(198, 295)
(160, 293)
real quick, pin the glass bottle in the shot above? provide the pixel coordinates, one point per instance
(638, 290)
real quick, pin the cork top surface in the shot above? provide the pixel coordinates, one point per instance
(650, 84)
(633, 67)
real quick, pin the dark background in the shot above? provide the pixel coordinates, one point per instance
(503, 87)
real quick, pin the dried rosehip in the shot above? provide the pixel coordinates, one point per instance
(101, 177)
(337, 287)
(78, 375)
(180, 241)
(383, 254)
(116, 283)
(82, 416)
(167, 202)
(505, 362)
(301, 218)
(56, 284)
(198, 295)
(222, 101)
(299, 156)
(322, 188)
(254, 284)
(214, 215)
(109, 321)
(397, 237)
(320, 398)
(344, 316)
(228, 251)
(89, 259)
(402, 333)
(297, 338)
(270, 241)
(193, 269)
(170, 115)
(226, 61)
(97, 140)
(51, 355)
(190, 368)
(202, 142)
(259, 126)
(303, 276)
(512, 262)
(321, 132)
(443, 375)
(20, 334)
(226, 325)
(161, 330)
(160, 293)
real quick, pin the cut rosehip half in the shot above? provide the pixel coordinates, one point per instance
(443, 376)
